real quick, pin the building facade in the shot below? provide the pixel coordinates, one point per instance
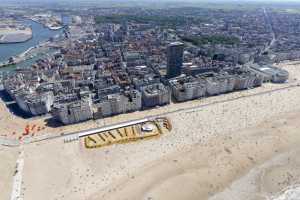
(174, 59)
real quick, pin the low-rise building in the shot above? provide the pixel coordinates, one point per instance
(35, 103)
(155, 95)
(117, 103)
(271, 74)
(73, 112)
(186, 88)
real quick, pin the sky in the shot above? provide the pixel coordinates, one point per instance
(171, 0)
(149, 1)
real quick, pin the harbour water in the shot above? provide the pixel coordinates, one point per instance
(40, 34)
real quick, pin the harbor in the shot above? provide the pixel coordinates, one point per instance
(21, 52)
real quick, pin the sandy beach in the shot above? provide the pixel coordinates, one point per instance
(8, 157)
(242, 145)
(208, 164)
(254, 164)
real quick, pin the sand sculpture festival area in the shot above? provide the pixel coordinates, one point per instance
(242, 145)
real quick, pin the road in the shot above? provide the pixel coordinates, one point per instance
(273, 35)
(17, 179)
(8, 142)
(77, 135)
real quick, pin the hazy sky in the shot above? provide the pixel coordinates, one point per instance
(149, 1)
(211, 1)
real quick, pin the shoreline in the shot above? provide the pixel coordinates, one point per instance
(273, 179)
(292, 191)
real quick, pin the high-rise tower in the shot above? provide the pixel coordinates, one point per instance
(174, 59)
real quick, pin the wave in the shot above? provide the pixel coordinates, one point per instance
(291, 193)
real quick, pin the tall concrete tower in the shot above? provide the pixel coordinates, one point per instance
(174, 59)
